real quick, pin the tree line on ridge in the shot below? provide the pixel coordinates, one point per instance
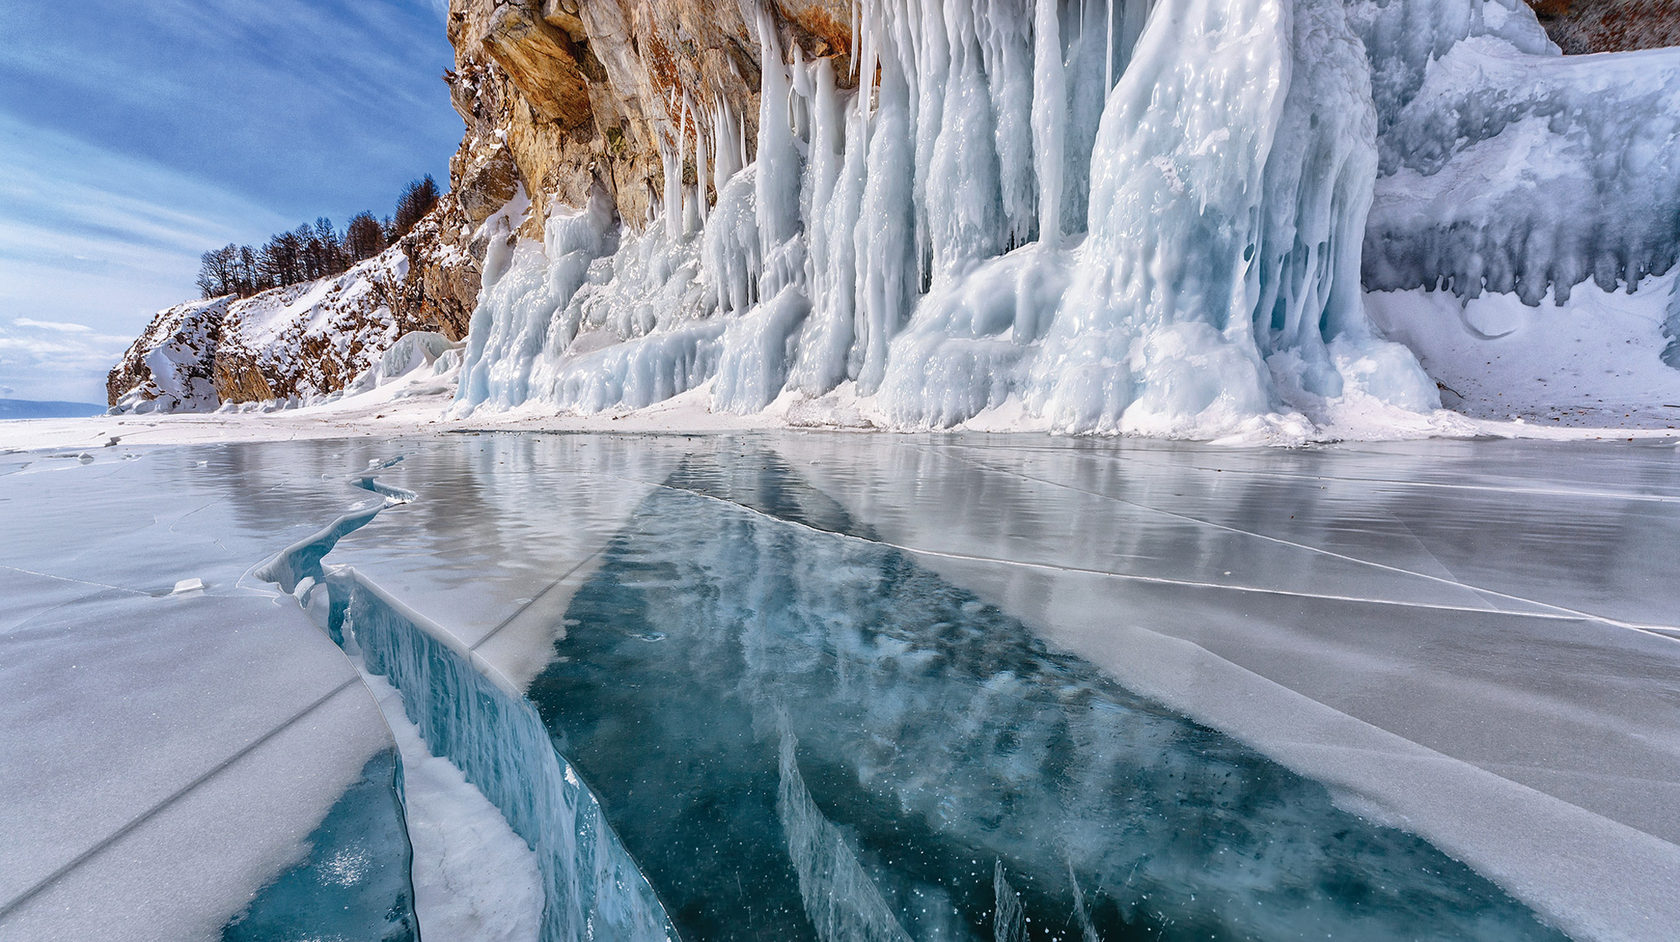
(312, 251)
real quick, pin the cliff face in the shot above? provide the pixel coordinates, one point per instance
(1587, 26)
(559, 94)
(561, 97)
(306, 339)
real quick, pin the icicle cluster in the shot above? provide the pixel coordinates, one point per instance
(1123, 215)
(1507, 168)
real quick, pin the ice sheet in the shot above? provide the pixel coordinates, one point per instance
(1471, 641)
(1465, 639)
(170, 752)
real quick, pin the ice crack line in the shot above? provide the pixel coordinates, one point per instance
(46, 882)
(1652, 629)
(1564, 615)
(97, 585)
(1437, 485)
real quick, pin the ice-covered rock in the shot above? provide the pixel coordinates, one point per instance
(986, 221)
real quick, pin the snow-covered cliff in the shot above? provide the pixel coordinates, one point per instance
(304, 340)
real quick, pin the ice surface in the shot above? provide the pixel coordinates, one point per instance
(171, 754)
(913, 736)
(1380, 635)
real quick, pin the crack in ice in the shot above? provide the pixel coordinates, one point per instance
(1563, 610)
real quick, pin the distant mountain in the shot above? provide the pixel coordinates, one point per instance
(31, 409)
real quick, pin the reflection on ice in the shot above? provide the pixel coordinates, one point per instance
(804, 734)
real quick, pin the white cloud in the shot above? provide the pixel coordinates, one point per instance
(42, 360)
(60, 326)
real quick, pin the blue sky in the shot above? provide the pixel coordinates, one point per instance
(134, 136)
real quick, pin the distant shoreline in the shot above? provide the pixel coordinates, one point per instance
(44, 409)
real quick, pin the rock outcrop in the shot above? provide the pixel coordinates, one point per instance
(307, 339)
(559, 94)
(1587, 26)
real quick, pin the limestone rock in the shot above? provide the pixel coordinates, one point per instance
(585, 90)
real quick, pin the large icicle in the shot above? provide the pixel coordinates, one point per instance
(1201, 229)
(1225, 226)
(1156, 326)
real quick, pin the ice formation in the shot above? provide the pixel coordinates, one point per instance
(1507, 168)
(1129, 215)
(1137, 215)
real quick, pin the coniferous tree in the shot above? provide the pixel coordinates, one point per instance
(282, 259)
(249, 279)
(364, 238)
(416, 201)
(217, 271)
(312, 251)
(332, 247)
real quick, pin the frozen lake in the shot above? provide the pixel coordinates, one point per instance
(830, 686)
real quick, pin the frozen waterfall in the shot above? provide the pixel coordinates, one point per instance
(1130, 215)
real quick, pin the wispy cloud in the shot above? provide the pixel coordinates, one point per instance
(43, 360)
(59, 326)
(308, 106)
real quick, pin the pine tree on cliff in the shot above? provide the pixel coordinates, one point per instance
(282, 259)
(416, 201)
(218, 272)
(333, 259)
(364, 238)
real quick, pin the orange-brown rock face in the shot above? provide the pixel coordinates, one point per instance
(1587, 26)
(568, 92)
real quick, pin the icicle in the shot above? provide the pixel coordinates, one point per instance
(700, 168)
(670, 159)
(1048, 114)
(1108, 46)
(724, 145)
(884, 242)
(778, 161)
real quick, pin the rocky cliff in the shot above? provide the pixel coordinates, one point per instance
(1585, 26)
(306, 339)
(560, 94)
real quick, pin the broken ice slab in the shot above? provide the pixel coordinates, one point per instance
(182, 760)
(1462, 639)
